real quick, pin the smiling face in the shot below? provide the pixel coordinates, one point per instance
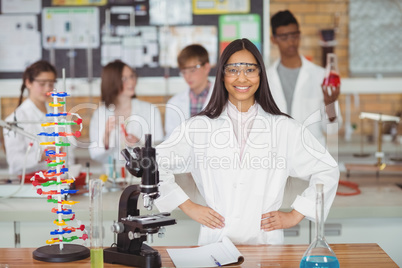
(241, 88)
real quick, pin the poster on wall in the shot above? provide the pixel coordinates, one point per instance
(19, 42)
(123, 39)
(174, 39)
(233, 27)
(136, 46)
(170, 12)
(128, 15)
(68, 28)
(79, 2)
(208, 7)
(21, 6)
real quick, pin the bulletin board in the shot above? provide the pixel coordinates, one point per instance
(141, 47)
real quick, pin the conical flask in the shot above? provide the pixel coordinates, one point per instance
(319, 254)
(332, 77)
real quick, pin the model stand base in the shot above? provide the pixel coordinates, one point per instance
(148, 258)
(70, 252)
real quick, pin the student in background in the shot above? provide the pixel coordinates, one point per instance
(121, 120)
(194, 66)
(240, 150)
(296, 82)
(39, 79)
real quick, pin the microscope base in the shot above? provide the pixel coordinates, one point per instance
(147, 258)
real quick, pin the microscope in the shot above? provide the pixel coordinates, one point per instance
(131, 228)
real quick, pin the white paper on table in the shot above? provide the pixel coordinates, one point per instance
(225, 252)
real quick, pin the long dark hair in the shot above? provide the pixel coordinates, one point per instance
(32, 71)
(111, 81)
(219, 96)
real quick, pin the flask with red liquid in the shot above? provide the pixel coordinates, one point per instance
(332, 77)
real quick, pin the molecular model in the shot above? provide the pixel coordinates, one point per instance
(55, 184)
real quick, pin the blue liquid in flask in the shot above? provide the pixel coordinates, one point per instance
(319, 254)
(319, 262)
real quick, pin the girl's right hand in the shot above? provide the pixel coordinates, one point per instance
(204, 215)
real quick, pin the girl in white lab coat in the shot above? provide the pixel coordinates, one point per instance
(240, 150)
(38, 79)
(121, 120)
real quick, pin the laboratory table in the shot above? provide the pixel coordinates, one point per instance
(349, 255)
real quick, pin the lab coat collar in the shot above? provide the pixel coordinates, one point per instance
(224, 115)
(305, 62)
(30, 106)
(304, 75)
(264, 123)
(260, 121)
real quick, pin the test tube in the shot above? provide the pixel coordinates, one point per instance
(95, 196)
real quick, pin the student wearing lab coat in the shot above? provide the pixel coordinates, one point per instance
(240, 150)
(39, 79)
(295, 82)
(121, 120)
(193, 61)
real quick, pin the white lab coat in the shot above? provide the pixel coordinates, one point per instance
(178, 109)
(145, 119)
(17, 144)
(308, 99)
(242, 190)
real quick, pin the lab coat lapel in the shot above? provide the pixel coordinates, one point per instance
(224, 132)
(259, 133)
(223, 136)
(223, 145)
(304, 76)
(276, 87)
(185, 104)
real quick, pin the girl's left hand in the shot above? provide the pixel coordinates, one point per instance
(131, 140)
(280, 220)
